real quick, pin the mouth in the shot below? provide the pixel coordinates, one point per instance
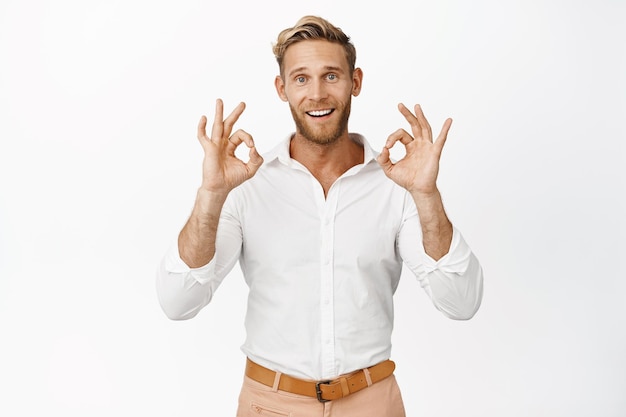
(320, 113)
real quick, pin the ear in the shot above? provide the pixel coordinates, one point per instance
(280, 88)
(357, 81)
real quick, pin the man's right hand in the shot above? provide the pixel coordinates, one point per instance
(221, 169)
(221, 172)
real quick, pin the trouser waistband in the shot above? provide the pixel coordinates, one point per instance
(326, 390)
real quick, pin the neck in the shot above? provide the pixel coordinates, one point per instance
(326, 162)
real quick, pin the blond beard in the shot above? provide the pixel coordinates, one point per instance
(323, 137)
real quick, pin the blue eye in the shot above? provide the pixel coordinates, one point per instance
(300, 80)
(332, 77)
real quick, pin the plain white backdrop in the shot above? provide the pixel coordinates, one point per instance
(99, 163)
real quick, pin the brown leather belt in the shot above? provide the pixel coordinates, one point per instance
(322, 390)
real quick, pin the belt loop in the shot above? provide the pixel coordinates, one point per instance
(276, 381)
(368, 377)
(345, 390)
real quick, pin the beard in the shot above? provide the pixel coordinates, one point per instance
(322, 134)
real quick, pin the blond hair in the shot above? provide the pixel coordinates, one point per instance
(313, 28)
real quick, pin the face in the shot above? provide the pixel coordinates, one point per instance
(318, 86)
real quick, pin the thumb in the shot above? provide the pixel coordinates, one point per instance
(255, 161)
(384, 161)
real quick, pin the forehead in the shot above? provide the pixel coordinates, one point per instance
(314, 55)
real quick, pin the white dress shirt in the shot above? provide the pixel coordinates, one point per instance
(321, 271)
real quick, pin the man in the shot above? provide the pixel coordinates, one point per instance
(321, 227)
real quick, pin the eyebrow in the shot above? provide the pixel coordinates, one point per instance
(304, 69)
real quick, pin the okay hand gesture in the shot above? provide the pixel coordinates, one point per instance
(221, 169)
(418, 170)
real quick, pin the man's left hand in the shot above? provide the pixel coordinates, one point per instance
(418, 170)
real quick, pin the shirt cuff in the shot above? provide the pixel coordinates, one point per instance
(175, 265)
(455, 261)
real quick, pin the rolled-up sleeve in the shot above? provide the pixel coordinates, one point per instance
(183, 291)
(454, 282)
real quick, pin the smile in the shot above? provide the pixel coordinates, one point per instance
(320, 113)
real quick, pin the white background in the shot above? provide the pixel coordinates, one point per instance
(99, 164)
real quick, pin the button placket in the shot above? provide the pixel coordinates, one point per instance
(327, 323)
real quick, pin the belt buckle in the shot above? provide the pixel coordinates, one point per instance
(318, 390)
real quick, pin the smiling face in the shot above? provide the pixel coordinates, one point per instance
(317, 83)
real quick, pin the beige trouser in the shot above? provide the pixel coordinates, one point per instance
(382, 399)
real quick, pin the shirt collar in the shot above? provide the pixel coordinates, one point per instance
(281, 151)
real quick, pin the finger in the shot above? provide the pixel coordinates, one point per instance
(416, 126)
(410, 117)
(427, 132)
(229, 122)
(383, 159)
(255, 161)
(218, 121)
(239, 137)
(443, 135)
(399, 135)
(202, 128)
(419, 126)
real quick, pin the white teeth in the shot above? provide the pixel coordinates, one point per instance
(318, 113)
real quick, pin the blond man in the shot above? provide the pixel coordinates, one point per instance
(321, 226)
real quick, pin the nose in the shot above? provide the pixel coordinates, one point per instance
(318, 90)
